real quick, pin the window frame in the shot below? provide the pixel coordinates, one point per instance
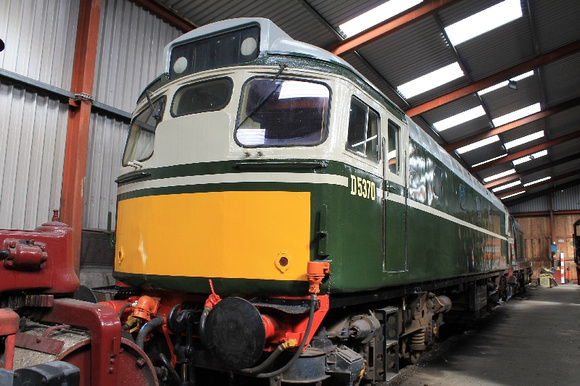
(149, 105)
(398, 149)
(365, 154)
(240, 119)
(200, 83)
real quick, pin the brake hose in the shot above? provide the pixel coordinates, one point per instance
(146, 329)
(256, 370)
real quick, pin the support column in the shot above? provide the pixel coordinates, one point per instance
(553, 245)
(77, 138)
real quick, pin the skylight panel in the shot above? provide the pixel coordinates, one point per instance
(477, 145)
(515, 115)
(537, 181)
(513, 195)
(499, 175)
(376, 15)
(460, 118)
(506, 186)
(525, 139)
(484, 21)
(431, 80)
(530, 157)
(505, 83)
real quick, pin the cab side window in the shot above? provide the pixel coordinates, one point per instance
(363, 130)
(393, 145)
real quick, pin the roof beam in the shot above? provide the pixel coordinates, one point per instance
(334, 31)
(512, 125)
(511, 72)
(528, 196)
(515, 177)
(546, 214)
(369, 36)
(523, 153)
(167, 14)
(551, 180)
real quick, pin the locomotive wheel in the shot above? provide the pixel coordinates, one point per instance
(132, 365)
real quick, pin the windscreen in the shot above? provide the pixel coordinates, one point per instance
(139, 145)
(279, 112)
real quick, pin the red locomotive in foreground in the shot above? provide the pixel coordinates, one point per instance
(46, 336)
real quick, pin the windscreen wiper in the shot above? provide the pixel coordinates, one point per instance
(261, 103)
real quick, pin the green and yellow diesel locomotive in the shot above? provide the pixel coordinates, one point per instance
(280, 219)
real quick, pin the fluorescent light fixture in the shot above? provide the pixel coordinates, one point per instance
(506, 186)
(499, 175)
(530, 157)
(431, 80)
(537, 181)
(513, 195)
(489, 160)
(460, 118)
(515, 115)
(505, 83)
(526, 139)
(478, 144)
(376, 15)
(484, 21)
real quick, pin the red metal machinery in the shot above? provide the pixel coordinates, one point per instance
(48, 336)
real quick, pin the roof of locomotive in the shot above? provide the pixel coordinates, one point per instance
(274, 41)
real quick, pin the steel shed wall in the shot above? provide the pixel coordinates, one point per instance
(106, 143)
(40, 39)
(32, 143)
(562, 200)
(129, 56)
(129, 53)
(40, 43)
(567, 199)
(540, 204)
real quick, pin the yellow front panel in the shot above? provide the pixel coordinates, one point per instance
(217, 234)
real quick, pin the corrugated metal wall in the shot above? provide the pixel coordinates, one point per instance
(130, 52)
(565, 199)
(540, 204)
(40, 39)
(129, 57)
(106, 144)
(40, 42)
(32, 142)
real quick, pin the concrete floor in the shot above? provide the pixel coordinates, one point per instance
(527, 341)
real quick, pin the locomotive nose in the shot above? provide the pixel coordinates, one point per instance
(235, 333)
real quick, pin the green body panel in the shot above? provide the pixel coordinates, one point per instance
(395, 228)
(398, 235)
(419, 246)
